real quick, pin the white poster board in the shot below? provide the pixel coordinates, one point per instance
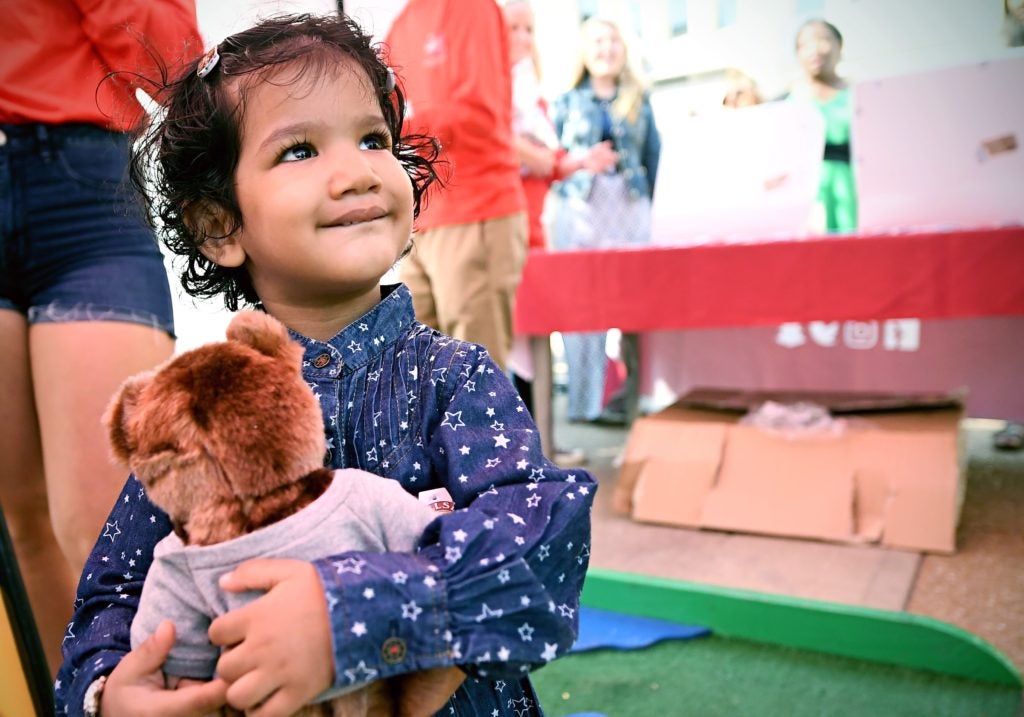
(738, 175)
(941, 149)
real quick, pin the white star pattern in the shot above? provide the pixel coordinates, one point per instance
(359, 629)
(113, 531)
(349, 565)
(487, 613)
(410, 610)
(438, 375)
(526, 632)
(549, 652)
(500, 441)
(453, 420)
(361, 673)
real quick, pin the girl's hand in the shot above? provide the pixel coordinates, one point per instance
(279, 654)
(136, 686)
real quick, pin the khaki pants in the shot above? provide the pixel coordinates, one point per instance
(463, 280)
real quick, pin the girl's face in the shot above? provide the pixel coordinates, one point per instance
(817, 51)
(519, 25)
(604, 55)
(326, 207)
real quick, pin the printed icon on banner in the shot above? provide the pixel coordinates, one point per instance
(860, 334)
(790, 335)
(824, 333)
(901, 334)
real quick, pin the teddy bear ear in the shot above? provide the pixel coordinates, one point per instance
(121, 407)
(264, 333)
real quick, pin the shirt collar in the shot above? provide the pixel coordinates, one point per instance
(364, 339)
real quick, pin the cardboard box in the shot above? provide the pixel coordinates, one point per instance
(893, 476)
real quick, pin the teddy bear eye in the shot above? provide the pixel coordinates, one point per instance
(165, 447)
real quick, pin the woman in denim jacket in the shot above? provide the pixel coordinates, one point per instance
(613, 208)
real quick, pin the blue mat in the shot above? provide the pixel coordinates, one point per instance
(605, 629)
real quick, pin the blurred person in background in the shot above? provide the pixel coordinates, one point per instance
(542, 161)
(818, 48)
(604, 209)
(470, 245)
(740, 90)
(1013, 22)
(84, 296)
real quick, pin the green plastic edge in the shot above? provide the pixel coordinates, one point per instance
(883, 636)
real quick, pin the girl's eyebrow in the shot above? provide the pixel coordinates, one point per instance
(370, 119)
(290, 130)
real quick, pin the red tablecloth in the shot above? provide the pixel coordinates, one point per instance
(925, 275)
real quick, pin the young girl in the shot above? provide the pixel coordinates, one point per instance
(283, 180)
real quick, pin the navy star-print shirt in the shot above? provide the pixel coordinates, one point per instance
(493, 587)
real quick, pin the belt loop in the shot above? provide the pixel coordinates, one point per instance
(44, 142)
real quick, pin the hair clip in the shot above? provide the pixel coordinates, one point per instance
(208, 62)
(390, 85)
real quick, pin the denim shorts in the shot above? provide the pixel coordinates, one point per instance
(74, 243)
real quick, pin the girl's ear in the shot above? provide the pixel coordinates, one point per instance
(207, 219)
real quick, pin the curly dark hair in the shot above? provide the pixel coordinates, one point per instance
(186, 156)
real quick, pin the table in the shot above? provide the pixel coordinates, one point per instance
(928, 275)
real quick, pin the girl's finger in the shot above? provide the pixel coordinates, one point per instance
(252, 689)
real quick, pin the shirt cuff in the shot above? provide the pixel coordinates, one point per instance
(388, 616)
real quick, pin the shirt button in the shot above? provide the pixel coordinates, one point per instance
(393, 650)
(3, 138)
(322, 360)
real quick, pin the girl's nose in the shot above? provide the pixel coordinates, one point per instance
(353, 173)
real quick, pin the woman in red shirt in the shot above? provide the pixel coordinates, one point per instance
(84, 297)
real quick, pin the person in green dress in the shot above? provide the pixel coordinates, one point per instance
(818, 48)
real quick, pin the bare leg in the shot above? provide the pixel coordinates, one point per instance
(78, 366)
(47, 576)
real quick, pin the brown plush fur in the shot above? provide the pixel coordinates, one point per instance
(227, 438)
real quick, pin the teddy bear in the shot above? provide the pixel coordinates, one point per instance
(228, 440)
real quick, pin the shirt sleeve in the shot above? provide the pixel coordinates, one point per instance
(108, 595)
(494, 586)
(474, 82)
(652, 148)
(138, 38)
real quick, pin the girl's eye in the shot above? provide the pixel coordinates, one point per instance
(297, 153)
(376, 140)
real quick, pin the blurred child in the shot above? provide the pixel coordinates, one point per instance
(818, 48)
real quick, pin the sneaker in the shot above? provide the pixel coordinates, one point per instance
(1010, 438)
(569, 459)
